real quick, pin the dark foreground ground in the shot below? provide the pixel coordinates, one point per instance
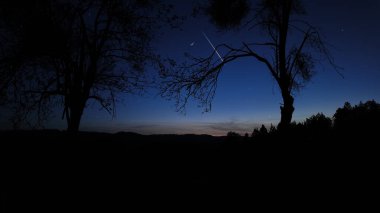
(53, 171)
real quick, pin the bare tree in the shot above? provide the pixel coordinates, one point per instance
(290, 61)
(69, 52)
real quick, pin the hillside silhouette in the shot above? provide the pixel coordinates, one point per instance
(57, 170)
(62, 62)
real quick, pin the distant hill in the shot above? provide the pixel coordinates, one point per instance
(52, 170)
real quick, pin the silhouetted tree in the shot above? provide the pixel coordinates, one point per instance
(361, 118)
(255, 132)
(263, 130)
(318, 123)
(233, 134)
(341, 116)
(234, 137)
(290, 62)
(69, 52)
(272, 129)
(246, 135)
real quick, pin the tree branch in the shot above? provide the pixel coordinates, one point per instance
(264, 60)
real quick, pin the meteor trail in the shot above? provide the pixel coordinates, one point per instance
(204, 34)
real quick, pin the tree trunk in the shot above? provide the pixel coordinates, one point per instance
(75, 117)
(75, 111)
(286, 111)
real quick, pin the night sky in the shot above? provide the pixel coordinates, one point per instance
(247, 96)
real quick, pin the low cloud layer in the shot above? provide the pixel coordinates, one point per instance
(210, 128)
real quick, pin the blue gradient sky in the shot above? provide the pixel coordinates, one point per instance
(247, 96)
